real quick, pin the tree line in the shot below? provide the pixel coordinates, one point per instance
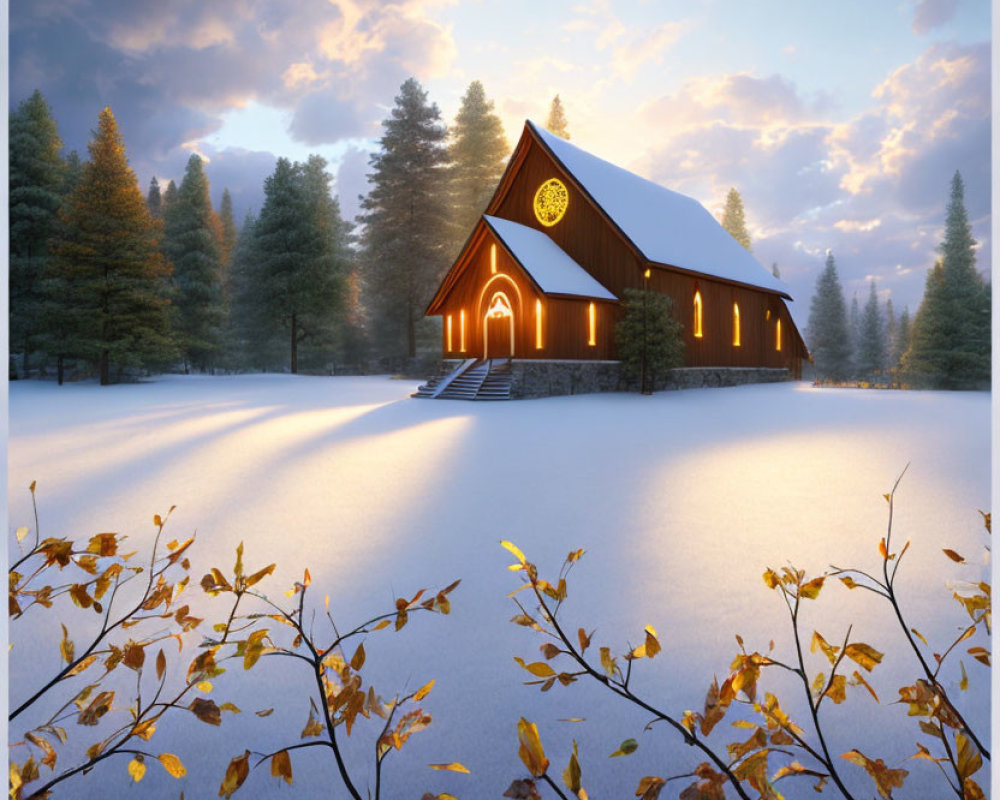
(106, 281)
(945, 346)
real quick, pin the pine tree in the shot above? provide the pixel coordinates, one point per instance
(252, 332)
(950, 340)
(116, 309)
(193, 251)
(72, 174)
(829, 340)
(854, 332)
(889, 326)
(37, 176)
(293, 287)
(901, 341)
(648, 339)
(168, 198)
(871, 344)
(557, 119)
(404, 242)
(228, 225)
(477, 153)
(734, 220)
(153, 200)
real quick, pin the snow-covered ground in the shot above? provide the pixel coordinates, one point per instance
(681, 500)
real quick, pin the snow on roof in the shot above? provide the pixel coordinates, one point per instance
(668, 228)
(547, 263)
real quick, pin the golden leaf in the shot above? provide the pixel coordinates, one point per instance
(21, 533)
(652, 644)
(66, 647)
(137, 768)
(571, 775)
(172, 764)
(849, 582)
(236, 773)
(86, 662)
(513, 549)
(811, 590)
(863, 655)
(819, 643)
(607, 662)
(967, 758)
(281, 766)
(98, 707)
(145, 729)
(885, 779)
(649, 787)
(254, 648)
(964, 683)
(358, 659)
(771, 578)
(313, 727)
(538, 668)
(264, 712)
(860, 681)
(230, 707)
(953, 556)
(453, 766)
(50, 754)
(258, 576)
(837, 690)
(423, 691)
(530, 750)
(161, 664)
(581, 634)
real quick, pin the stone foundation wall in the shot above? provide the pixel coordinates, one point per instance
(541, 378)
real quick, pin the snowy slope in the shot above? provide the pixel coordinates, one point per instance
(681, 500)
(668, 227)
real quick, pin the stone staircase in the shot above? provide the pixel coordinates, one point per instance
(488, 379)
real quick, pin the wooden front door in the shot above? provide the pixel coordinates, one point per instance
(498, 328)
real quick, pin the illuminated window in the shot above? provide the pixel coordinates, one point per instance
(697, 315)
(767, 314)
(448, 327)
(736, 325)
(646, 274)
(777, 336)
(493, 258)
(538, 324)
(592, 317)
(551, 201)
(461, 329)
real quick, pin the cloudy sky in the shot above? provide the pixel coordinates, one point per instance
(841, 123)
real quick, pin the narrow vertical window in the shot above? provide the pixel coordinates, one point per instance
(493, 258)
(777, 336)
(592, 316)
(697, 315)
(736, 325)
(538, 324)
(448, 329)
(461, 329)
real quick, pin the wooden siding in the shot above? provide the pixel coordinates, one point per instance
(584, 232)
(565, 321)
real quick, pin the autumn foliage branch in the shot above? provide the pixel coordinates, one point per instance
(778, 747)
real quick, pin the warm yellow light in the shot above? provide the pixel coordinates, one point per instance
(592, 317)
(767, 314)
(736, 325)
(551, 202)
(777, 338)
(448, 327)
(500, 307)
(538, 324)
(646, 274)
(697, 315)
(493, 258)
(461, 329)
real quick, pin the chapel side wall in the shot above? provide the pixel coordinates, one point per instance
(759, 312)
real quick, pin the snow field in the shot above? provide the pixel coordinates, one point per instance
(681, 501)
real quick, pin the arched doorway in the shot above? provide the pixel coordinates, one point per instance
(498, 327)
